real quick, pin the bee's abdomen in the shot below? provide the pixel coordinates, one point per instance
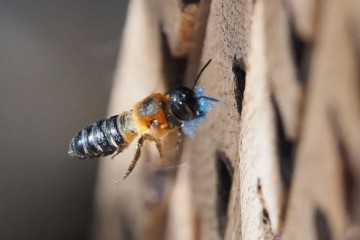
(99, 139)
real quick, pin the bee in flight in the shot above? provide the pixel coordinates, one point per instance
(152, 118)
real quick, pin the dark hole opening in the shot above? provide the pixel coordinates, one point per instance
(322, 226)
(186, 2)
(265, 216)
(301, 50)
(173, 68)
(285, 147)
(239, 70)
(349, 181)
(224, 172)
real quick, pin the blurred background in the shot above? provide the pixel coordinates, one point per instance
(57, 60)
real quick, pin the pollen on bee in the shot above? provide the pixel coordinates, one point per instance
(205, 105)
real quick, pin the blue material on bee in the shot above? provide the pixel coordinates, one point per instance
(189, 127)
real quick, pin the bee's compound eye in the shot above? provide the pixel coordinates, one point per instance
(183, 103)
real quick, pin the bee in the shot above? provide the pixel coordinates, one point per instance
(181, 109)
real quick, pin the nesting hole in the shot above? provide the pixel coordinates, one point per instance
(301, 52)
(239, 70)
(322, 225)
(285, 148)
(173, 68)
(349, 181)
(186, 2)
(224, 172)
(349, 185)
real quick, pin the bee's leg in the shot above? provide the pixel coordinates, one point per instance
(173, 121)
(179, 141)
(117, 153)
(157, 142)
(140, 143)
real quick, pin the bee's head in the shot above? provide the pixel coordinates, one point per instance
(184, 103)
(187, 104)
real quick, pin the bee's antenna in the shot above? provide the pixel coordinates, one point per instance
(199, 74)
(209, 98)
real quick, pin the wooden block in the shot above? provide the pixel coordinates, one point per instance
(326, 183)
(214, 155)
(261, 189)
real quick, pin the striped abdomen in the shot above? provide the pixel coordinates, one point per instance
(104, 137)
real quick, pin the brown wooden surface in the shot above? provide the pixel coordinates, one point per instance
(217, 138)
(326, 182)
(279, 156)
